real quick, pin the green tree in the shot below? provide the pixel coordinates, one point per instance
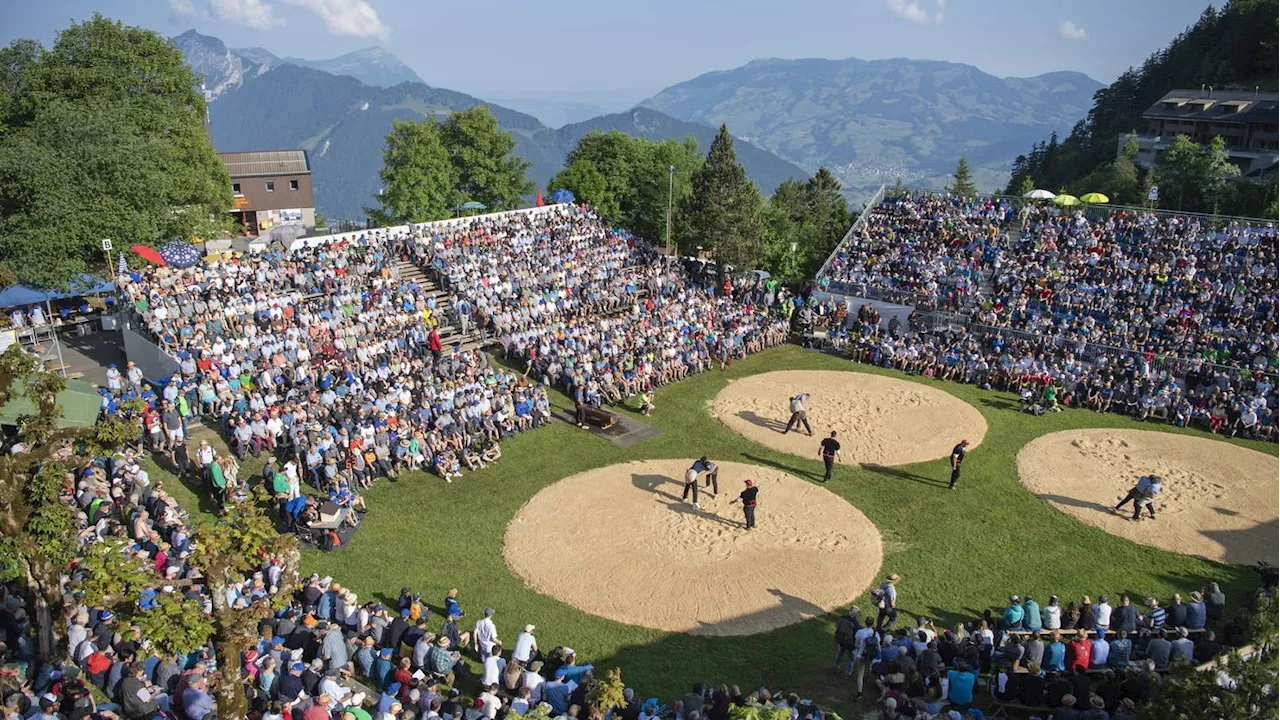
(420, 183)
(37, 532)
(483, 157)
(1216, 171)
(652, 182)
(1024, 186)
(606, 695)
(103, 137)
(588, 186)
(227, 550)
(962, 179)
(723, 213)
(612, 154)
(109, 577)
(1179, 165)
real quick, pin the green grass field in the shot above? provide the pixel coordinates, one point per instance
(957, 552)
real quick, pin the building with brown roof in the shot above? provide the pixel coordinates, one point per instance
(272, 191)
(1245, 120)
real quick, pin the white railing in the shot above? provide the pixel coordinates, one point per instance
(417, 227)
(853, 229)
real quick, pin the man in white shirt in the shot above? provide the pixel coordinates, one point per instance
(862, 666)
(526, 645)
(493, 666)
(533, 680)
(1102, 615)
(486, 634)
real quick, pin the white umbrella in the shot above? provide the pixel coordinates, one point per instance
(1040, 195)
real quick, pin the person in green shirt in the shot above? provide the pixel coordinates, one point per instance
(219, 482)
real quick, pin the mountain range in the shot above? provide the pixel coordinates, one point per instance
(225, 69)
(869, 122)
(874, 121)
(257, 103)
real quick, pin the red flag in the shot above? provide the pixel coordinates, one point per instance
(538, 201)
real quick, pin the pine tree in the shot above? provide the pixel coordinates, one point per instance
(963, 179)
(723, 213)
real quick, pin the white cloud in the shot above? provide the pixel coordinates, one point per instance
(182, 8)
(346, 17)
(913, 11)
(254, 14)
(1071, 31)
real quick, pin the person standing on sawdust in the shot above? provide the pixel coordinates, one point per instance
(799, 416)
(691, 479)
(829, 450)
(1146, 498)
(1137, 491)
(748, 499)
(957, 457)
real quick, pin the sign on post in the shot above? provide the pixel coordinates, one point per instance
(1154, 193)
(106, 245)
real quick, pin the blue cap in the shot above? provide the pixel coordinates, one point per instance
(106, 615)
(277, 640)
(298, 667)
(385, 653)
(561, 672)
(404, 612)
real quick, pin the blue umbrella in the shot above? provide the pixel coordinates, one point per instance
(180, 254)
(562, 196)
(473, 205)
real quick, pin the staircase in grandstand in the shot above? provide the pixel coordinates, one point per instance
(449, 329)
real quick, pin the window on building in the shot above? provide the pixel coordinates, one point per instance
(293, 184)
(235, 188)
(271, 187)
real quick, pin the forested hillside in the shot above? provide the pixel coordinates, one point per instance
(1231, 48)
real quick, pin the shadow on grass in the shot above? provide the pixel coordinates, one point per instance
(799, 472)
(1000, 403)
(901, 474)
(192, 483)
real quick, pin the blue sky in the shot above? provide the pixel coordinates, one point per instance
(579, 48)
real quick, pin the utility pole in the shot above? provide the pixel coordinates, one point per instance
(671, 181)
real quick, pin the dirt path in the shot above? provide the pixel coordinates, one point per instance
(619, 543)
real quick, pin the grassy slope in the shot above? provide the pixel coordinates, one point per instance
(958, 552)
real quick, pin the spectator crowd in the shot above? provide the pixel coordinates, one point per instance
(1157, 316)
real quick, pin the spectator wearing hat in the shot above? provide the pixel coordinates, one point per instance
(1196, 613)
(526, 647)
(556, 691)
(1012, 617)
(1182, 649)
(197, 703)
(533, 681)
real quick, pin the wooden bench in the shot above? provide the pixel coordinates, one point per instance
(1072, 632)
(601, 418)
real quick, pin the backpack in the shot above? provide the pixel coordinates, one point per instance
(877, 596)
(871, 647)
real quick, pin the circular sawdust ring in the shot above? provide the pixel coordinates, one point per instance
(618, 542)
(878, 420)
(1219, 500)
